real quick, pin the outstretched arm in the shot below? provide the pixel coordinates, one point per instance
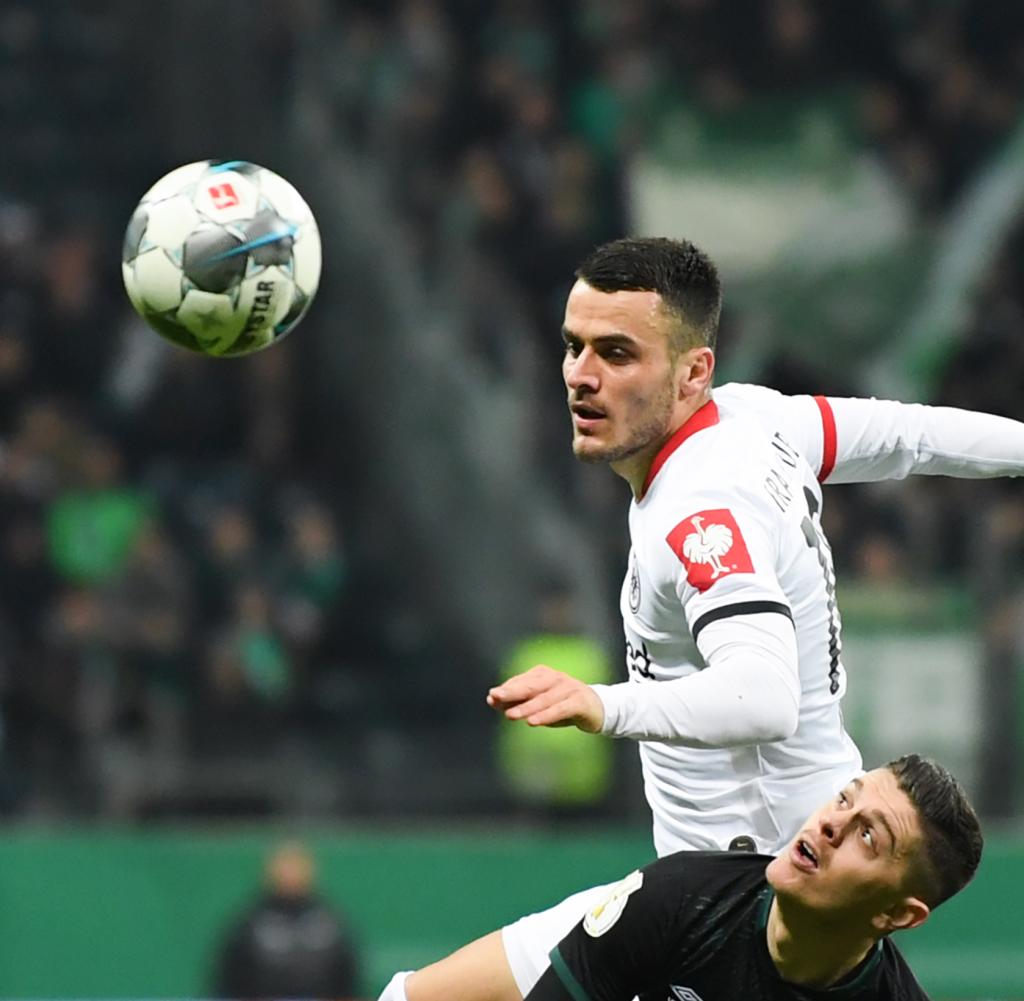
(882, 439)
(749, 693)
(479, 971)
(849, 440)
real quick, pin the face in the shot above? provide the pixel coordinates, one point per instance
(852, 860)
(623, 387)
(291, 871)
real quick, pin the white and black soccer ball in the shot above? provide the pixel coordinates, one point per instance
(222, 257)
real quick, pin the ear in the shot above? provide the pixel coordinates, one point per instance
(906, 913)
(695, 371)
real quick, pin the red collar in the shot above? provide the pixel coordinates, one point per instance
(704, 417)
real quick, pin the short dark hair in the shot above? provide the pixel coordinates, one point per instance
(683, 275)
(952, 833)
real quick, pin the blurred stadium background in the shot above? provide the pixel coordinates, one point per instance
(265, 597)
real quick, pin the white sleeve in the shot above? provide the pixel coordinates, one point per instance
(848, 440)
(882, 440)
(749, 693)
(395, 988)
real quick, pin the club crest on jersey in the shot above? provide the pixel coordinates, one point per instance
(601, 917)
(634, 588)
(710, 545)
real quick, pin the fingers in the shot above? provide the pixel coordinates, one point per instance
(544, 697)
(522, 687)
(562, 712)
(545, 708)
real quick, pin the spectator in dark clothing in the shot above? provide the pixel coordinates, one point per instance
(291, 943)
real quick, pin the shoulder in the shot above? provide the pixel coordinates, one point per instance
(705, 871)
(898, 980)
(676, 897)
(739, 440)
(768, 406)
(720, 457)
(744, 395)
(727, 468)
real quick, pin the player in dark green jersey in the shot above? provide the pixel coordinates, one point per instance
(810, 923)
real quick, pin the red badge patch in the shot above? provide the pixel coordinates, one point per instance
(710, 545)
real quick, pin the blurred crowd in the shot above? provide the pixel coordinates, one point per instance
(176, 542)
(524, 116)
(174, 570)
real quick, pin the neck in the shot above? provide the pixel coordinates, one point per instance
(635, 468)
(808, 952)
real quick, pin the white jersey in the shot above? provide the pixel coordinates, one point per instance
(727, 546)
(729, 527)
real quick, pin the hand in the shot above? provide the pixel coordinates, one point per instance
(545, 697)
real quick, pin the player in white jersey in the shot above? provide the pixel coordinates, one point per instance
(744, 714)
(721, 564)
(728, 602)
(743, 539)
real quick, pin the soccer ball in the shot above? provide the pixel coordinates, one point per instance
(222, 257)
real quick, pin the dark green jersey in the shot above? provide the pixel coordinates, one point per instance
(691, 927)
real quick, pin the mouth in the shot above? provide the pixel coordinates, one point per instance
(804, 856)
(585, 415)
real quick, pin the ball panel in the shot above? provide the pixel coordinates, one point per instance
(171, 330)
(283, 196)
(226, 197)
(170, 222)
(131, 287)
(250, 342)
(263, 299)
(271, 237)
(134, 233)
(211, 318)
(297, 310)
(157, 280)
(213, 259)
(307, 261)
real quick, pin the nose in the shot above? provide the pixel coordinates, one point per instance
(580, 371)
(832, 827)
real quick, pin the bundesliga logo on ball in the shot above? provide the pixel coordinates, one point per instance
(222, 257)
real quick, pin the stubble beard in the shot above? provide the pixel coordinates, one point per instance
(648, 436)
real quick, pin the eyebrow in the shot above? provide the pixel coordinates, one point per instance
(879, 817)
(613, 338)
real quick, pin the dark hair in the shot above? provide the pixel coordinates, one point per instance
(684, 277)
(952, 834)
